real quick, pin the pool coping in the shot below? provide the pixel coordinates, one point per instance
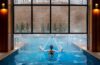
(4, 55)
(92, 53)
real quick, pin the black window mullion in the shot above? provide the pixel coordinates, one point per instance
(50, 17)
(51, 33)
(31, 16)
(22, 4)
(77, 5)
(69, 17)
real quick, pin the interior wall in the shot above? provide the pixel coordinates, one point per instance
(90, 25)
(3, 26)
(10, 29)
(95, 26)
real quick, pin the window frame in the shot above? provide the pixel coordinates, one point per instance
(50, 5)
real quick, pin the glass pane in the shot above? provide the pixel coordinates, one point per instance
(41, 1)
(59, 19)
(22, 1)
(41, 19)
(78, 19)
(78, 2)
(22, 17)
(60, 1)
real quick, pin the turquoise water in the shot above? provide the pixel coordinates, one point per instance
(30, 54)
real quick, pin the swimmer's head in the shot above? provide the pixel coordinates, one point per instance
(51, 47)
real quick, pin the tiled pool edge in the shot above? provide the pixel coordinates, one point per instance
(7, 54)
(91, 53)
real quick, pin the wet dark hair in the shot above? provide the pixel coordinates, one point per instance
(51, 46)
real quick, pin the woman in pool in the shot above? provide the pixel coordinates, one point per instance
(51, 51)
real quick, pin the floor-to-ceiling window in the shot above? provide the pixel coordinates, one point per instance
(67, 17)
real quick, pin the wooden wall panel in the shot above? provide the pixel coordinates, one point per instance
(96, 27)
(3, 28)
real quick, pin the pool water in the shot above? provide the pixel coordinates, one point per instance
(43, 58)
(30, 54)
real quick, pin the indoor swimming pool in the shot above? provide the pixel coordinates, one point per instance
(31, 53)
